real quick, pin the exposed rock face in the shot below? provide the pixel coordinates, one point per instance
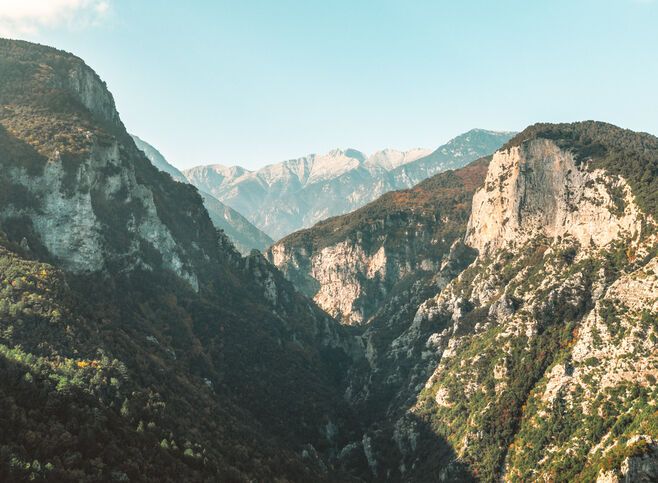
(129, 314)
(132, 313)
(537, 361)
(66, 222)
(340, 274)
(288, 196)
(537, 188)
(91, 91)
(544, 330)
(336, 269)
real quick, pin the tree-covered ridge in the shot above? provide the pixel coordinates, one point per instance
(47, 99)
(105, 383)
(622, 152)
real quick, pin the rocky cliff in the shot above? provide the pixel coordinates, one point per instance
(506, 317)
(351, 265)
(558, 237)
(537, 360)
(538, 188)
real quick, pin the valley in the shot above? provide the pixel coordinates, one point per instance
(487, 311)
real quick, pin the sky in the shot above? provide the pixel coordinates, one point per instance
(252, 82)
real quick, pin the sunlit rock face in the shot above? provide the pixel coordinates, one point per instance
(536, 189)
(353, 264)
(537, 326)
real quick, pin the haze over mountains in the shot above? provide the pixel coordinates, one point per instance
(243, 234)
(287, 196)
(496, 322)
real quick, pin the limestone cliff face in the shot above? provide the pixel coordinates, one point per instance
(145, 282)
(91, 91)
(553, 326)
(538, 188)
(76, 190)
(340, 278)
(71, 224)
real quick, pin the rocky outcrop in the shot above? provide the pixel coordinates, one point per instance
(67, 224)
(337, 277)
(529, 355)
(519, 357)
(125, 304)
(91, 92)
(538, 188)
(554, 323)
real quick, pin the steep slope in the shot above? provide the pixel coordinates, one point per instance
(158, 160)
(135, 342)
(285, 197)
(351, 264)
(552, 333)
(243, 234)
(536, 362)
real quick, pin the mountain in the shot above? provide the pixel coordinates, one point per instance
(243, 234)
(510, 316)
(284, 197)
(135, 342)
(499, 321)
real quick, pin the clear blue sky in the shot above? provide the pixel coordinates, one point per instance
(251, 82)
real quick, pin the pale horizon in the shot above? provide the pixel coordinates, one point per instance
(257, 83)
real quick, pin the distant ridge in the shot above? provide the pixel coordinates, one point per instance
(243, 234)
(284, 197)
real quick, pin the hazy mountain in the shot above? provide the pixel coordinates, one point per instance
(284, 197)
(158, 160)
(243, 234)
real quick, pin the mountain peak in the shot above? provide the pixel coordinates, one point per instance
(54, 77)
(389, 158)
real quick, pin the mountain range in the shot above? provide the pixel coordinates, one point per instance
(496, 322)
(287, 196)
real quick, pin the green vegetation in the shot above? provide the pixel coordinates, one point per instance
(412, 226)
(494, 411)
(129, 373)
